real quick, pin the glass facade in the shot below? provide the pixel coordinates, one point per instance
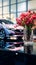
(22, 6)
(13, 1)
(5, 9)
(21, 0)
(13, 8)
(1, 10)
(5, 2)
(0, 3)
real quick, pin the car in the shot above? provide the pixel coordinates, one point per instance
(10, 32)
(3, 29)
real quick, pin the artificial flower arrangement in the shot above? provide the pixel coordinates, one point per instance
(27, 20)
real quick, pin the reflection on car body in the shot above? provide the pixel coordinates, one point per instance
(10, 31)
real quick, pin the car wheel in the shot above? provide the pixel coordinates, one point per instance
(2, 37)
(2, 33)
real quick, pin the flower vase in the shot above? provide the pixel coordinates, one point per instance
(28, 33)
(28, 41)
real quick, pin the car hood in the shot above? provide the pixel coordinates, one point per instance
(10, 28)
(7, 31)
(13, 26)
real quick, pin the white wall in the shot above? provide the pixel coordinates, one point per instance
(32, 4)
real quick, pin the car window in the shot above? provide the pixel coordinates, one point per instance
(6, 21)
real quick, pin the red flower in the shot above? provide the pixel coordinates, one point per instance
(22, 16)
(27, 22)
(34, 16)
(26, 18)
(18, 21)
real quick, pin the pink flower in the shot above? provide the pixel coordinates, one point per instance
(26, 18)
(18, 21)
(22, 16)
(34, 16)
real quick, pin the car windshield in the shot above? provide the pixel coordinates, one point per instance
(6, 21)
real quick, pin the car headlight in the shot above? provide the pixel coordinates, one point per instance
(13, 37)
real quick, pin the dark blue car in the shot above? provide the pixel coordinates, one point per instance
(10, 32)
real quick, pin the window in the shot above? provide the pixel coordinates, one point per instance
(0, 16)
(21, 0)
(13, 15)
(6, 9)
(13, 8)
(6, 16)
(22, 6)
(13, 1)
(0, 10)
(5, 2)
(20, 13)
(13, 18)
(0, 3)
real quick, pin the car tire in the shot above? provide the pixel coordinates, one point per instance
(2, 37)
